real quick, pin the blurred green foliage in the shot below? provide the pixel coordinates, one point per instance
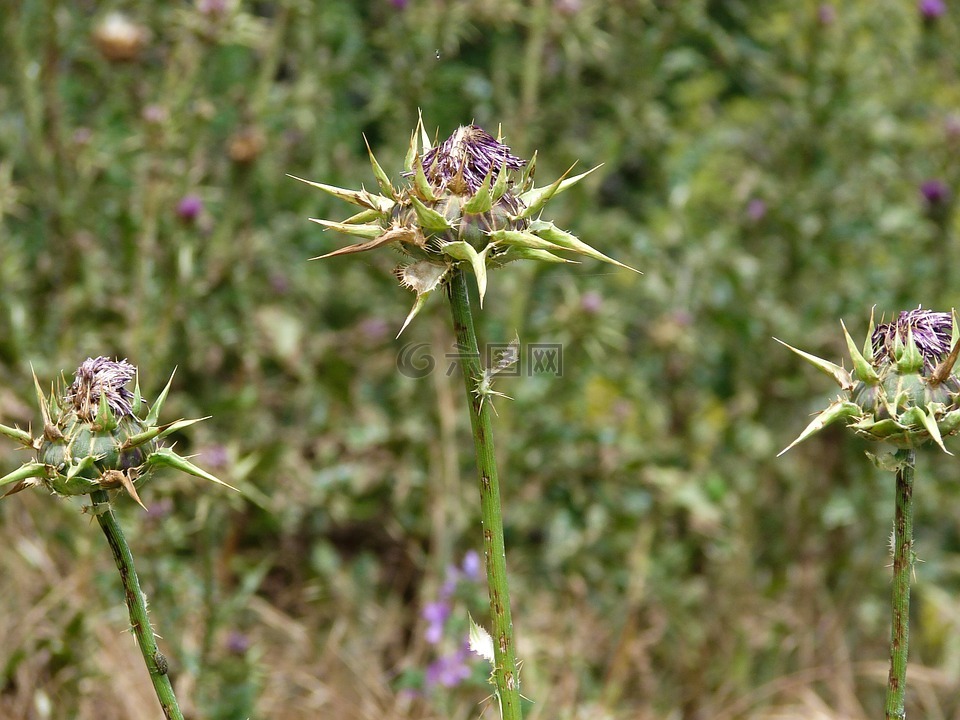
(769, 166)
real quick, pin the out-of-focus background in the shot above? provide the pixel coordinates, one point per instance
(772, 167)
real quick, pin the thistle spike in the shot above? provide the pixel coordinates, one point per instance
(841, 376)
(837, 410)
(356, 197)
(26, 471)
(535, 198)
(136, 404)
(166, 456)
(390, 236)
(565, 240)
(420, 181)
(20, 436)
(154, 414)
(910, 360)
(386, 187)
(482, 200)
(461, 250)
(430, 219)
(415, 310)
(368, 231)
(861, 368)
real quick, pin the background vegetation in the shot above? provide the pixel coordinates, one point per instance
(772, 167)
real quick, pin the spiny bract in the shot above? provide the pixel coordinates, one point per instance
(902, 389)
(96, 435)
(465, 201)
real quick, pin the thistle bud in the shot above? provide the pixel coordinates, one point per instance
(119, 39)
(468, 201)
(98, 435)
(902, 389)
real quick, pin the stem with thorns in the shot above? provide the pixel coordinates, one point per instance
(136, 605)
(505, 670)
(903, 558)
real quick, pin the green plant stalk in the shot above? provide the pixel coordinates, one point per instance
(137, 605)
(903, 557)
(505, 671)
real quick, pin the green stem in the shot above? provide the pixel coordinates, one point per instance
(137, 605)
(505, 671)
(902, 567)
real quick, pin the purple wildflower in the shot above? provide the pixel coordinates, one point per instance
(931, 9)
(591, 302)
(567, 7)
(436, 614)
(471, 565)
(237, 643)
(934, 192)
(216, 456)
(826, 14)
(399, 4)
(189, 208)
(932, 332)
(98, 377)
(756, 209)
(449, 670)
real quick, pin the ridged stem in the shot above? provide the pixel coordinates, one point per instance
(903, 557)
(505, 673)
(136, 605)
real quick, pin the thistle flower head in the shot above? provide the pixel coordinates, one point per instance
(902, 389)
(101, 379)
(97, 435)
(468, 201)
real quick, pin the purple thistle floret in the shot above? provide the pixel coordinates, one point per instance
(98, 377)
(932, 332)
(462, 161)
(931, 9)
(935, 192)
(189, 207)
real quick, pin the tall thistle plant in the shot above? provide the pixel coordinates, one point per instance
(466, 205)
(903, 392)
(97, 435)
